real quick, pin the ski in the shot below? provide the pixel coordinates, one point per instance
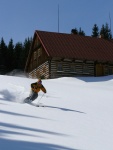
(30, 103)
(40, 105)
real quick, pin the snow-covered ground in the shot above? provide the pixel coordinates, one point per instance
(78, 114)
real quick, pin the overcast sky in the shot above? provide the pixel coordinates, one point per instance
(20, 18)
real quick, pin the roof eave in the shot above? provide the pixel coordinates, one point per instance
(42, 43)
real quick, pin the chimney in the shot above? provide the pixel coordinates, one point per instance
(101, 36)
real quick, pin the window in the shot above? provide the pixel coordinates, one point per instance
(59, 67)
(85, 68)
(110, 71)
(72, 68)
(106, 70)
(35, 53)
(39, 52)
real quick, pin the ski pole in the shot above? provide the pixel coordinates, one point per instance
(40, 98)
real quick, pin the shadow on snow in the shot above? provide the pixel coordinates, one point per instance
(12, 126)
(96, 79)
(24, 145)
(65, 109)
(21, 115)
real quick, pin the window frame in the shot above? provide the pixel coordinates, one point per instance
(59, 67)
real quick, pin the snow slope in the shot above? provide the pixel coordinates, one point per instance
(78, 114)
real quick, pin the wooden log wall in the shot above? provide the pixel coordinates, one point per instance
(40, 72)
(66, 69)
(108, 69)
(47, 70)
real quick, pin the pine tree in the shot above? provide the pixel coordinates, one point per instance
(10, 55)
(26, 46)
(74, 31)
(81, 32)
(95, 31)
(3, 48)
(18, 55)
(3, 57)
(105, 32)
(108, 32)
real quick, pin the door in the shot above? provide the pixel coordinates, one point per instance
(99, 70)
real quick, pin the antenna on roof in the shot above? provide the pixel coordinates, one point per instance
(110, 20)
(58, 18)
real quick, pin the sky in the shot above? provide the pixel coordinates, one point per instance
(78, 114)
(20, 19)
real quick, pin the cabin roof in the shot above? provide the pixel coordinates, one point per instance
(76, 46)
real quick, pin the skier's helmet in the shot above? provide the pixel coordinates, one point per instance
(39, 81)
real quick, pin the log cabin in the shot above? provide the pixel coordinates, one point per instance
(54, 55)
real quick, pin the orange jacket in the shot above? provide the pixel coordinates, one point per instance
(37, 87)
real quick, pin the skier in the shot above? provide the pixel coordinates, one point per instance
(35, 88)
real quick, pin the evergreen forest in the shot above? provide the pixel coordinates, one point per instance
(13, 56)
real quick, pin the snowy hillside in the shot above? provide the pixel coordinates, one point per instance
(78, 114)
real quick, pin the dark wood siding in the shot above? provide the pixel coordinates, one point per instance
(38, 57)
(79, 68)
